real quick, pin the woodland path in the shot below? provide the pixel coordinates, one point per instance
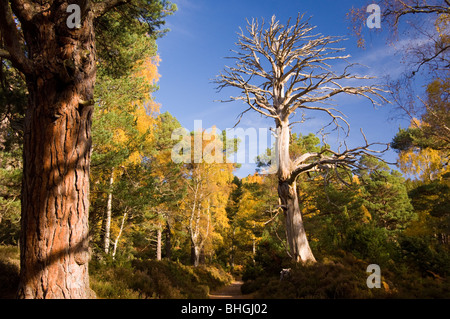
(232, 291)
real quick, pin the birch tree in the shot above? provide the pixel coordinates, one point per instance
(208, 187)
(282, 70)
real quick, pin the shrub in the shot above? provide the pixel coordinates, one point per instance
(157, 279)
(419, 253)
(341, 276)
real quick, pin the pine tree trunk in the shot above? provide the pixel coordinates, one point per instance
(168, 242)
(54, 239)
(287, 192)
(295, 230)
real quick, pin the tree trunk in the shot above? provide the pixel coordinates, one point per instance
(295, 231)
(158, 241)
(56, 153)
(107, 238)
(195, 255)
(116, 242)
(287, 191)
(232, 248)
(168, 242)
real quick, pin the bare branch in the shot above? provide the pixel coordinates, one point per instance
(276, 211)
(13, 49)
(100, 8)
(281, 69)
(329, 159)
(300, 70)
(399, 8)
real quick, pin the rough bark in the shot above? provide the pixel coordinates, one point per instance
(56, 155)
(295, 230)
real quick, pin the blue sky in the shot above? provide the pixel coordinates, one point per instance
(202, 34)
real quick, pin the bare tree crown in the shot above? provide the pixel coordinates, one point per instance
(285, 68)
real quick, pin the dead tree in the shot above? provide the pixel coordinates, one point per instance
(282, 70)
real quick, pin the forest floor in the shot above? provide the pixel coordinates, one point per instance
(232, 291)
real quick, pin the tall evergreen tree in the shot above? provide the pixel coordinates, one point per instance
(59, 65)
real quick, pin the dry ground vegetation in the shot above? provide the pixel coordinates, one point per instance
(338, 276)
(136, 279)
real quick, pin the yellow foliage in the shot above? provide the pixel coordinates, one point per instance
(385, 286)
(208, 187)
(442, 27)
(254, 179)
(367, 217)
(144, 121)
(120, 136)
(426, 163)
(134, 158)
(148, 70)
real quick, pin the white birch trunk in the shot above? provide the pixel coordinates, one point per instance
(158, 241)
(108, 214)
(116, 242)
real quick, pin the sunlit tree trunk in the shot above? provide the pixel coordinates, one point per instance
(107, 238)
(56, 154)
(158, 241)
(287, 192)
(116, 242)
(58, 61)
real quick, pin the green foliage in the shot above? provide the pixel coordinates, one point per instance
(269, 259)
(369, 243)
(13, 101)
(10, 185)
(433, 197)
(13, 104)
(406, 139)
(386, 198)
(374, 220)
(124, 35)
(420, 253)
(432, 131)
